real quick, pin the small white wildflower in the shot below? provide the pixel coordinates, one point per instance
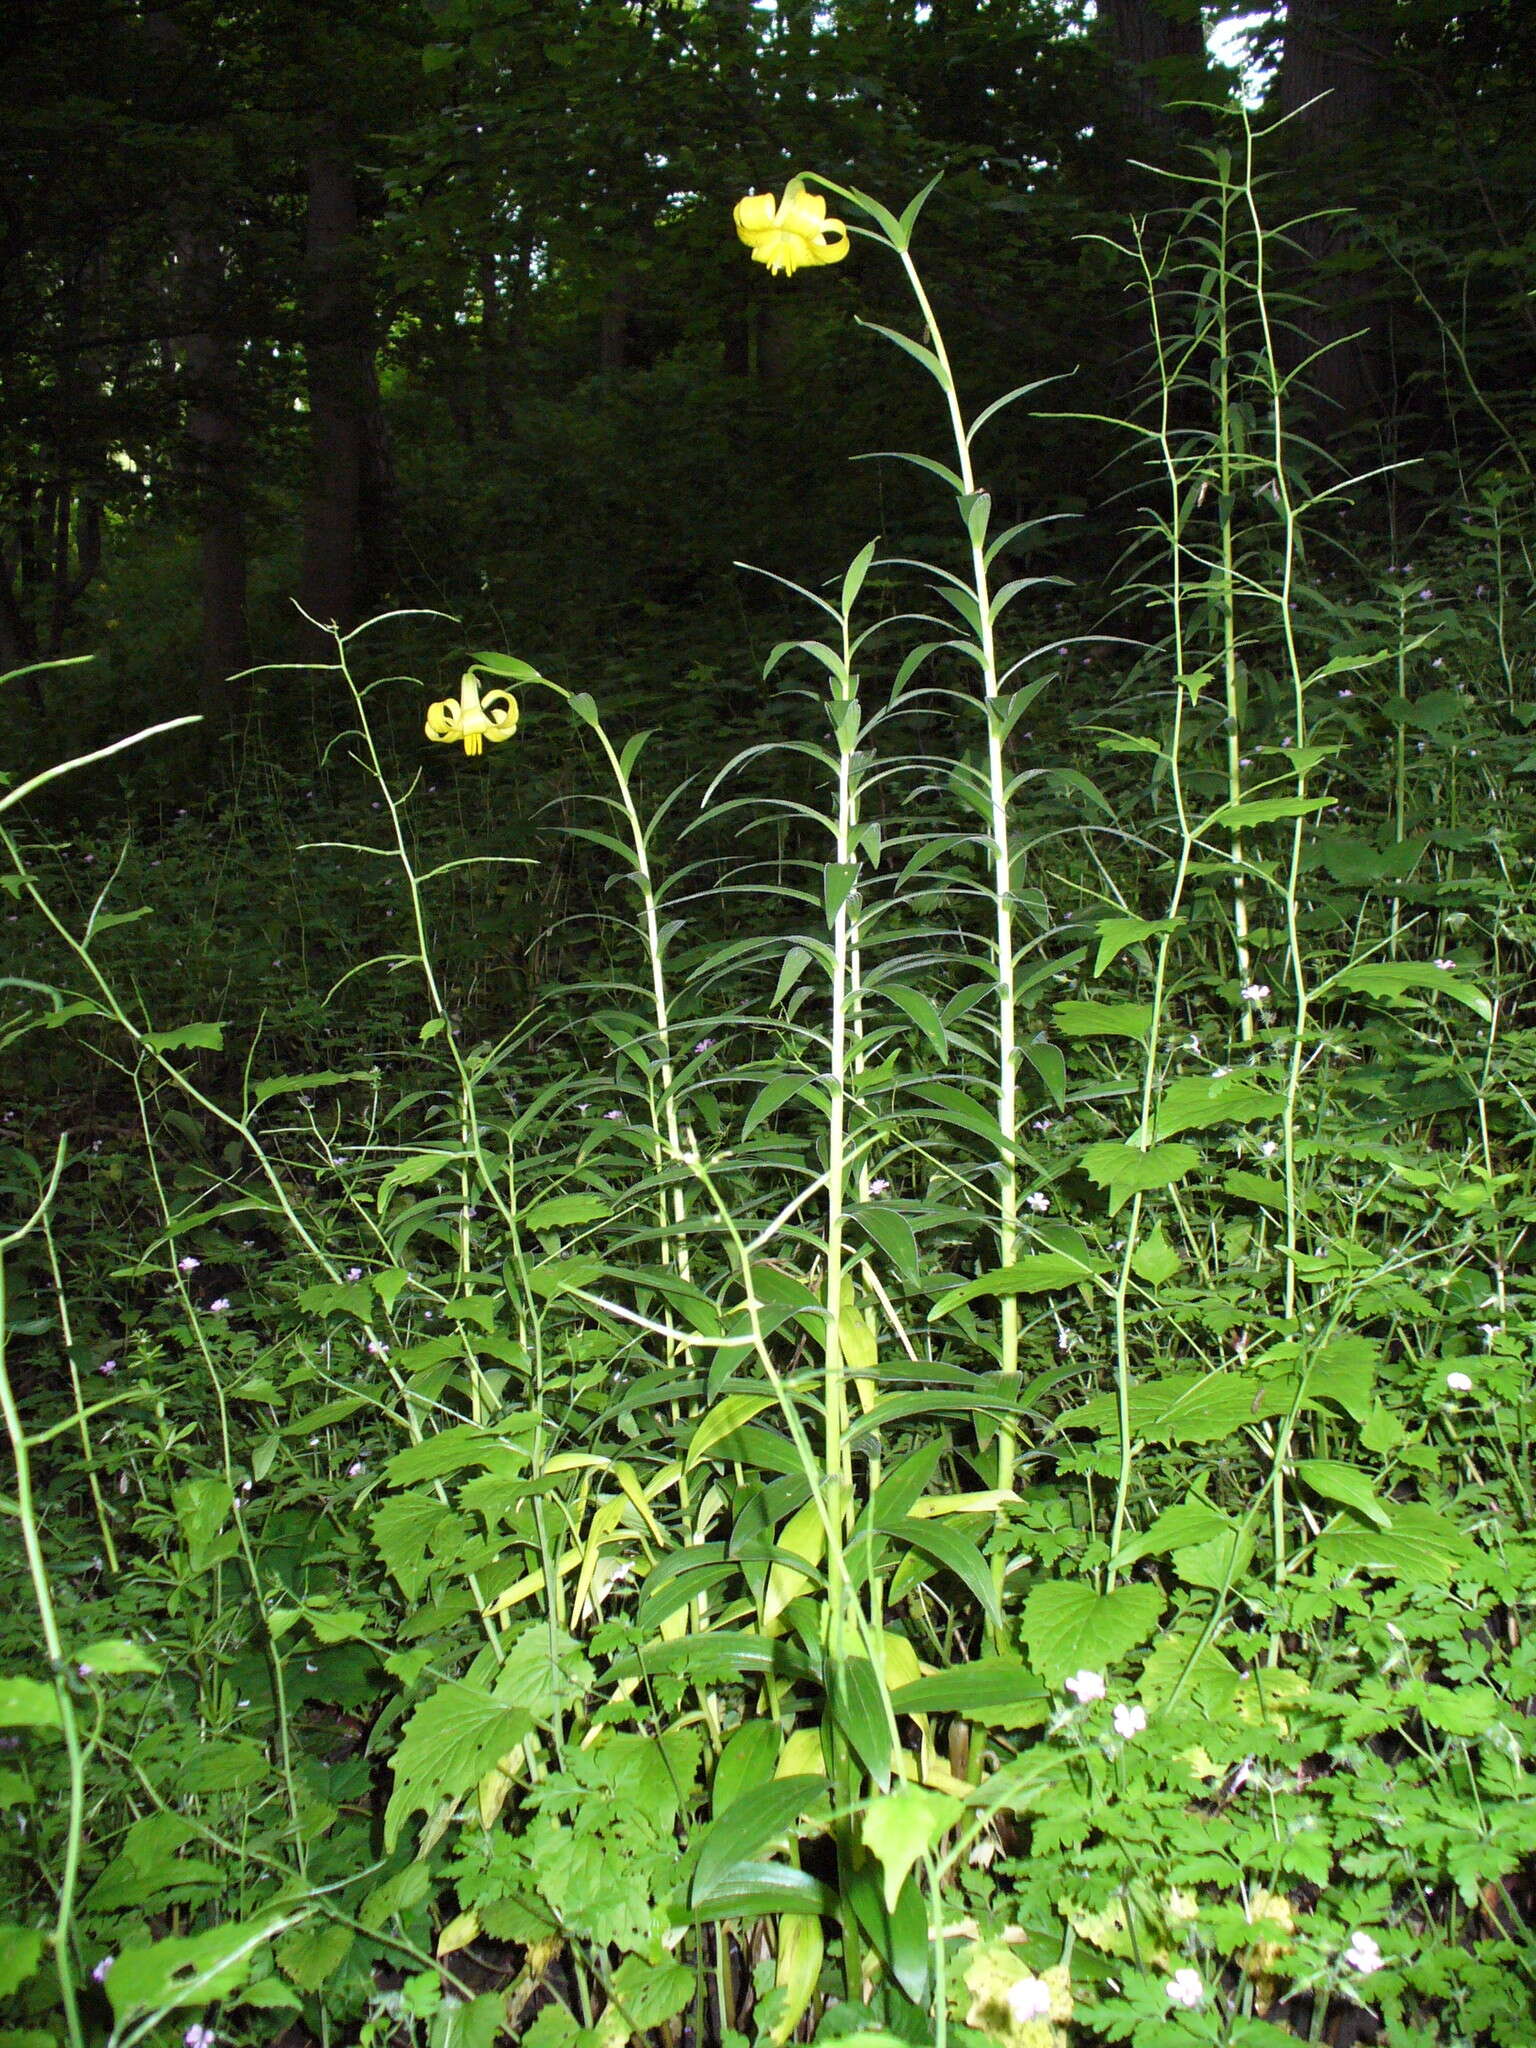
(199, 2036)
(220, 1306)
(1086, 1686)
(357, 1468)
(1029, 1999)
(1489, 1333)
(108, 1366)
(1363, 1954)
(1459, 1382)
(99, 1973)
(188, 1264)
(879, 1187)
(1346, 694)
(354, 1272)
(377, 1348)
(612, 1116)
(1129, 1722)
(1038, 1202)
(1445, 965)
(1269, 1148)
(1256, 992)
(1184, 1988)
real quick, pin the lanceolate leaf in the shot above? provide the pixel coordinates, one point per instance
(751, 1824)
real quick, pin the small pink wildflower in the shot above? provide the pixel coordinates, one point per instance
(1363, 1954)
(1184, 1988)
(1029, 1999)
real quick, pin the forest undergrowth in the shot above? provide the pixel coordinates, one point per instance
(886, 1400)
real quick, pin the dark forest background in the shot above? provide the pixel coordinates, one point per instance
(360, 306)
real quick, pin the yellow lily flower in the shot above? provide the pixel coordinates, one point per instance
(472, 718)
(791, 231)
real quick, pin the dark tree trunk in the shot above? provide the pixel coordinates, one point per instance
(338, 363)
(1335, 84)
(1158, 49)
(216, 461)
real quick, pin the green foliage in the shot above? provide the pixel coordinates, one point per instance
(918, 1428)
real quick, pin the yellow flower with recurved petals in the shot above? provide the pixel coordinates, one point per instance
(472, 718)
(791, 231)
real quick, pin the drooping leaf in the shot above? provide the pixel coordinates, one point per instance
(904, 1826)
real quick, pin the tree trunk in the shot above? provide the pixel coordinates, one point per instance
(216, 462)
(1335, 84)
(1158, 49)
(338, 364)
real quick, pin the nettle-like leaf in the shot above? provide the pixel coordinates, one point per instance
(1123, 1170)
(1067, 1628)
(451, 1740)
(1184, 1407)
(1194, 1102)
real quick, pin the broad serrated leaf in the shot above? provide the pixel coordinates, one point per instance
(1196, 1101)
(1116, 933)
(1346, 1484)
(1264, 810)
(21, 1950)
(1070, 1627)
(1420, 1544)
(1184, 1408)
(184, 1970)
(1124, 1170)
(560, 1212)
(451, 1740)
(460, 1448)
(1400, 978)
(1035, 1273)
(116, 1655)
(1155, 1260)
(1076, 1019)
(187, 1038)
(1187, 1522)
